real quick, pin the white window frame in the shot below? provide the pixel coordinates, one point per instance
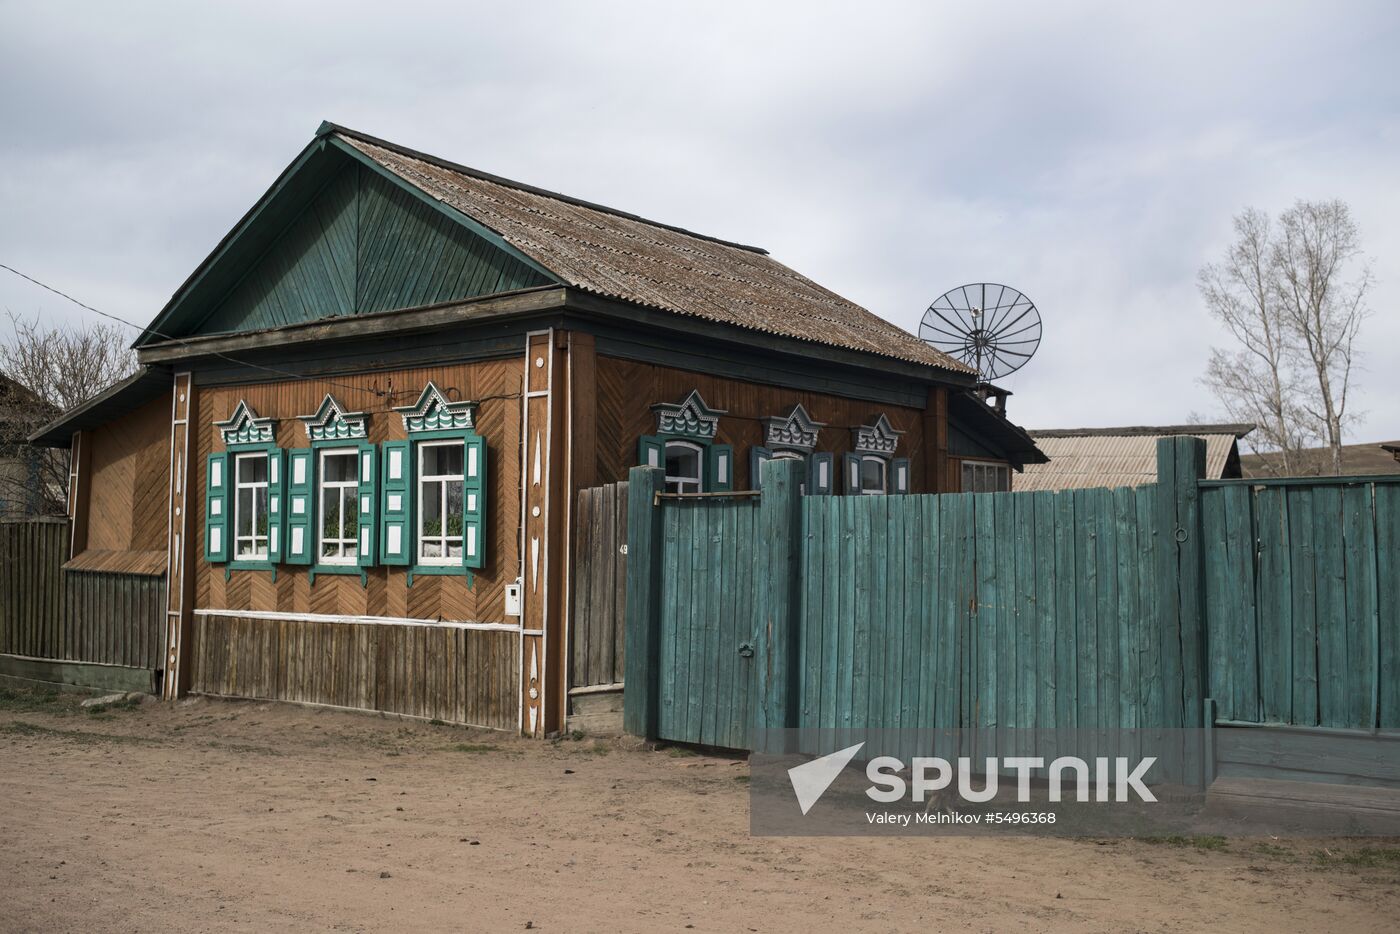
(884, 474)
(349, 489)
(239, 484)
(998, 466)
(443, 539)
(678, 484)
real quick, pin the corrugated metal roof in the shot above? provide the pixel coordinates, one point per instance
(623, 256)
(1105, 459)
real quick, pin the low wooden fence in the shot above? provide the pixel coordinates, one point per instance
(433, 671)
(86, 628)
(1098, 609)
(32, 552)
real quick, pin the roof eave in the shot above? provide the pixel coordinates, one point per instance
(140, 387)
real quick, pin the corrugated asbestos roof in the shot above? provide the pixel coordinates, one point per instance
(619, 255)
(1108, 457)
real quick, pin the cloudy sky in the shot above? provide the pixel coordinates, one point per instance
(1090, 154)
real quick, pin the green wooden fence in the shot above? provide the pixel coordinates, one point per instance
(1303, 600)
(1085, 609)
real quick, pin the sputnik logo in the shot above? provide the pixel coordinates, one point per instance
(810, 780)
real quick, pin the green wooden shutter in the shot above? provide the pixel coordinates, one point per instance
(719, 468)
(276, 511)
(651, 451)
(757, 456)
(301, 507)
(396, 503)
(821, 474)
(850, 471)
(474, 500)
(365, 509)
(216, 508)
(899, 475)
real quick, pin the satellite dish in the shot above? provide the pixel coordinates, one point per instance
(992, 328)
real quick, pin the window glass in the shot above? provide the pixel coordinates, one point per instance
(440, 493)
(340, 508)
(872, 475)
(684, 467)
(980, 477)
(250, 507)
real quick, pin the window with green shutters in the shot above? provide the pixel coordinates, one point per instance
(685, 447)
(794, 436)
(434, 487)
(244, 502)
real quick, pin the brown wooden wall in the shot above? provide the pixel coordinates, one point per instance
(495, 384)
(128, 481)
(627, 390)
(457, 675)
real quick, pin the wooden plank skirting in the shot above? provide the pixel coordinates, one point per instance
(70, 676)
(441, 672)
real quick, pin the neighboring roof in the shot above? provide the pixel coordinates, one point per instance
(113, 402)
(598, 250)
(1112, 457)
(13, 392)
(1156, 431)
(1358, 460)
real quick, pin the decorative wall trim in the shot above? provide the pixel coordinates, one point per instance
(244, 427)
(433, 412)
(358, 620)
(331, 422)
(691, 418)
(794, 432)
(879, 438)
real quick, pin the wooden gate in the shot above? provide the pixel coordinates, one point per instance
(598, 609)
(709, 620)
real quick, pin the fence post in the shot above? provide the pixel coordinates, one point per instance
(641, 696)
(779, 569)
(1181, 462)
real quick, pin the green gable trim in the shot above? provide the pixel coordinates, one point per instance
(337, 235)
(364, 245)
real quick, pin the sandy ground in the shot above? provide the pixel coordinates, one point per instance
(222, 816)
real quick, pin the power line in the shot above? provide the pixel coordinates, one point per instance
(286, 374)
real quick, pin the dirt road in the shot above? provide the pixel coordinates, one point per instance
(221, 816)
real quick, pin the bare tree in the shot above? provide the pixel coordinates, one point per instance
(55, 368)
(1280, 293)
(1316, 241)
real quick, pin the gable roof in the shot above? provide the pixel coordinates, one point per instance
(1111, 457)
(606, 252)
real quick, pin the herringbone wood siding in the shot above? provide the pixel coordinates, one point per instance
(627, 390)
(129, 479)
(496, 384)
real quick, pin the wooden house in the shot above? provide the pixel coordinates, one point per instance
(353, 450)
